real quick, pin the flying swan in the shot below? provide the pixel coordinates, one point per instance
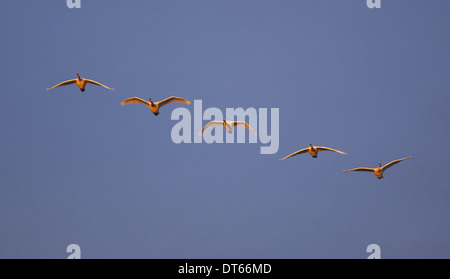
(155, 106)
(81, 82)
(228, 125)
(379, 171)
(313, 150)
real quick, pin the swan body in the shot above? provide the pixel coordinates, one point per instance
(81, 83)
(313, 150)
(380, 169)
(154, 106)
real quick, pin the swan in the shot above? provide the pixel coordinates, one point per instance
(379, 171)
(154, 106)
(313, 150)
(81, 82)
(228, 126)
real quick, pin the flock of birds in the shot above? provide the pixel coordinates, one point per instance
(228, 125)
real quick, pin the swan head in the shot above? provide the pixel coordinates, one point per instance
(379, 165)
(151, 101)
(78, 75)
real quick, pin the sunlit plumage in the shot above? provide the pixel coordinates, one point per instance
(313, 150)
(81, 83)
(228, 125)
(154, 106)
(380, 170)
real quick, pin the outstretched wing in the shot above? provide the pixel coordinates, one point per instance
(244, 124)
(211, 124)
(171, 100)
(393, 163)
(135, 100)
(321, 148)
(67, 82)
(361, 169)
(89, 81)
(304, 150)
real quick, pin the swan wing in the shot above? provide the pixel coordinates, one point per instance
(135, 100)
(171, 100)
(244, 124)
(304, 150)
(361, 169)
(385, 167)
(67, 82)
(321, 148)
(211, 124)
(90, 81)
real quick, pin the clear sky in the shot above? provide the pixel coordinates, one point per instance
(80, 168)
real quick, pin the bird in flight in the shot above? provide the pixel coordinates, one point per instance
(81, 82)
(228, 125)
(380, 170)
(154, 106)
(313, 150)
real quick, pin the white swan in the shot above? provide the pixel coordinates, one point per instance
(313, 150)
(81, 82)
(228, 125)
(380, 170)
(154, 106)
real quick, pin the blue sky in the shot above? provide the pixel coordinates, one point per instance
(80, 168)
